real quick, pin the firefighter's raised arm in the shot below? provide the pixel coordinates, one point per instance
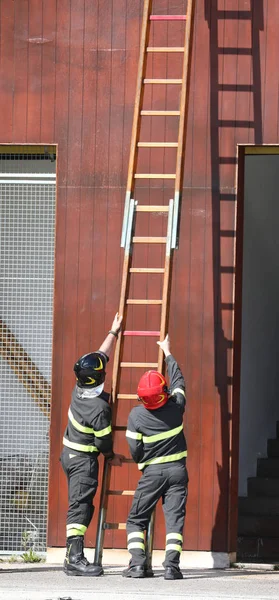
(177, 383)
(112, 335)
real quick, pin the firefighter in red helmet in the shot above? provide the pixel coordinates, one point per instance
(88, 433)
(157, 443)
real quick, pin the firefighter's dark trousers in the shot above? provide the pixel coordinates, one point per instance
(82, 475)
(169, 482)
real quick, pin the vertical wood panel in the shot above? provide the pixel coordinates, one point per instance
(61, 118)
(20, 71)
(76, 83)
(7, 16)
(201, 216)
(48, 70)
(34, 92)
(89, 109)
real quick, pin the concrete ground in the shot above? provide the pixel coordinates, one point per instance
(45, 582)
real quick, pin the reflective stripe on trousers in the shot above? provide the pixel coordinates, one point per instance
(168, 482)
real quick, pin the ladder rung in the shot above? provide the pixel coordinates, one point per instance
(168, 17)
(120, 492)
(142, 333)
(164, 81)
(146, 270)
(160, 113)
(142, 301)
(149, 240)
(127, 396)
(155, 176)
(157, 144)
(165, 49)
(114, 525)
(138, 365)
(151, 208)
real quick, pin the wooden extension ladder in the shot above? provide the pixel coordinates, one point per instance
(130, 239)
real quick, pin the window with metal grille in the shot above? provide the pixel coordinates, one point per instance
(27, 232)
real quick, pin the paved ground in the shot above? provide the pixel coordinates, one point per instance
(50, 583)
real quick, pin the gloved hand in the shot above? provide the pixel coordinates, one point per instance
(165, 345)
(117, 460)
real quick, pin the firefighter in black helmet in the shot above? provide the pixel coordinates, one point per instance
(88, 433)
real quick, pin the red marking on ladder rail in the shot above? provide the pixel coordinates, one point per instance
(168, 17)
(142, 333)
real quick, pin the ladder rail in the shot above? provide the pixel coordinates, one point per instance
(137, 109)
(166, 285)
(99, 545)
(123, 298)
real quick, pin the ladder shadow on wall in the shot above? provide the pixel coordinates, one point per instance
(233, 131)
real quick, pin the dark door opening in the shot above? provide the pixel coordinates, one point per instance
(258, 489)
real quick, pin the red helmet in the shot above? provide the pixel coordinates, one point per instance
(152, 390)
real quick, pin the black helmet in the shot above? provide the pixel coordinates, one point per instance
(90, 370)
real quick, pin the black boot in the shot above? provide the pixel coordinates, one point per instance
(75, 562)
(138, 572)
(173, 573)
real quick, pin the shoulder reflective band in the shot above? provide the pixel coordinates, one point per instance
(163, 459)
(84, 429)
(178, 390)
(80, 447)
(77, 425)
(175, 547)
(148, 439)
(103, 432)
(134, 435)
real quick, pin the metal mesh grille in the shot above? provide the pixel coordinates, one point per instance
(27, 229)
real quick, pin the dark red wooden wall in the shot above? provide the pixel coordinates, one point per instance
(68, 74)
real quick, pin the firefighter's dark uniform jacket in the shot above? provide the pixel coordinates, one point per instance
(88, 433)
(157, 443)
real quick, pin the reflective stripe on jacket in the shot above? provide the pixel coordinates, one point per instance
(89, 424)
(156, 436)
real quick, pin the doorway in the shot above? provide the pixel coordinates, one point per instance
(259, 372)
